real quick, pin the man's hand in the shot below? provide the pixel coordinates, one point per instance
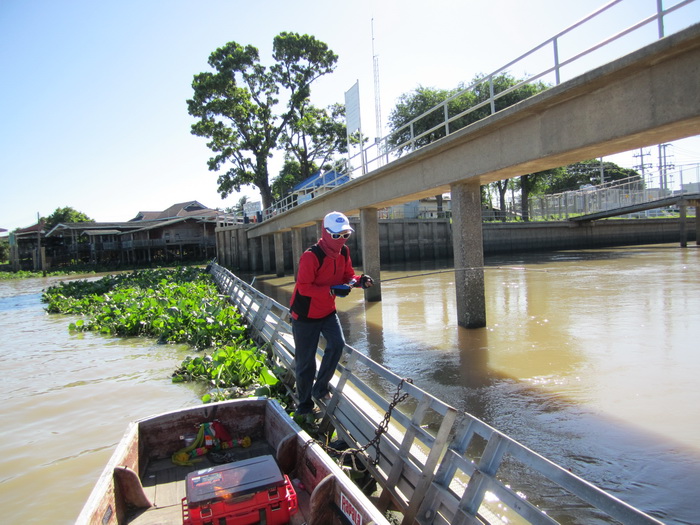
(365, 281)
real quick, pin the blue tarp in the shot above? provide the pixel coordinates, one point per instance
(331, 178)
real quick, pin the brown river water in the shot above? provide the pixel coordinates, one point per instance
(589, 358)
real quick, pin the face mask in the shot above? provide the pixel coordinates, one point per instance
(331, 246)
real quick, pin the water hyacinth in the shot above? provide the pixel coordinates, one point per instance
(173, 306)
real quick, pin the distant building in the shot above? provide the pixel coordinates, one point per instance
(184, 231)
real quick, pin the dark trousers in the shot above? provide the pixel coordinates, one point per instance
(306, 336)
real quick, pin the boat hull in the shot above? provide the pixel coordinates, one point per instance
(141, 485)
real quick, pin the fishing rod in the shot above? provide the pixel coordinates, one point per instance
(522, 268)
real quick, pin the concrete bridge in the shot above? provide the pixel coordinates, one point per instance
(647, 97)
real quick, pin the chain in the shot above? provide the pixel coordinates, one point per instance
(375, 441)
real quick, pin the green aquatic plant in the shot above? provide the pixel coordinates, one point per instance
(173, 306)
(231, 371)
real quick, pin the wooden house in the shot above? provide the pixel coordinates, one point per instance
(184, 231)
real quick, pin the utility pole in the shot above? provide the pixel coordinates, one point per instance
(663, 166)
(642, 165)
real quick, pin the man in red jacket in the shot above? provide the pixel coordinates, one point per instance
(325, 272)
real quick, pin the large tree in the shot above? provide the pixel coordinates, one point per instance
(243, 107)
(314, 136)
(64, 216)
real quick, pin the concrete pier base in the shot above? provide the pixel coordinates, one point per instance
(369, 225)
(279, 254)
(468, 244)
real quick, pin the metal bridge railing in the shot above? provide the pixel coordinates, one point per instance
(615, 194)
(551, 60)
(436, 465)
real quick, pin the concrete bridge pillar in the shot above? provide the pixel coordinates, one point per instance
(266, 266)
(254, 262)
(467, 239)
(279, 254)
(683, 225)
(243, 252)
(369, 228)
(297, 248)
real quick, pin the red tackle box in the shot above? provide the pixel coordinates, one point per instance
(241, 493)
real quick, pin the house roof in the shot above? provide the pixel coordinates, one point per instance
(30, 230)
(181, 209)
(143, 220)
(101, 232)
(90, 226)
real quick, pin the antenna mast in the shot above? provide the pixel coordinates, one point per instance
(377, 102)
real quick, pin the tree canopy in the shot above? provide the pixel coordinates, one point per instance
(313, 137)
(430, 126)
(64, 216)
(243, 108)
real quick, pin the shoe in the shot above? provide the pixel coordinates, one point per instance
(315, 413)
(325, 397)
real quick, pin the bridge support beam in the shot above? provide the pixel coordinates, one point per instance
(253, 243)
(297, 249)
(369, 229)
(468, 241)
(279, 254)
(243, 252)
(266, 266)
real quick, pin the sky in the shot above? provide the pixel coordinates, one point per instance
(93, 110)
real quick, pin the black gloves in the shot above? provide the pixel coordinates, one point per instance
(365, 282)
(342, 290)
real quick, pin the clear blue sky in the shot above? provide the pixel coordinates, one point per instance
(92, 93)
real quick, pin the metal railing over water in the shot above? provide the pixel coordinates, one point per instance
(562, 55)
(614, 195)
(434, 464)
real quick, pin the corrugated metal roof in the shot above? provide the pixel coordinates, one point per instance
(332, 178)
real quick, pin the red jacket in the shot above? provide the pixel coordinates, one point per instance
(312, 297)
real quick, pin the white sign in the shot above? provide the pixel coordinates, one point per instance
(352, 108)
(249, 208)
(349, 510)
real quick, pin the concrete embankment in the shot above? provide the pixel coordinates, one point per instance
(404, 240)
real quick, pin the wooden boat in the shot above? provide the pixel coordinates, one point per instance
(142, 485)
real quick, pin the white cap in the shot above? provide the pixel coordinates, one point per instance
(336, 222)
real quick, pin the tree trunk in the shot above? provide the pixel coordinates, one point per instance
(502, 186)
